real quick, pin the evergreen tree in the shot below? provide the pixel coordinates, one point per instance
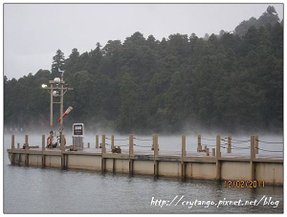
(58, 64)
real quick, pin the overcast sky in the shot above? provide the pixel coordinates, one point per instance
(33, 32)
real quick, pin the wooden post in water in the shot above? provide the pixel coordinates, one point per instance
(199, 146)
(43, 149)
(256, 144)
(112, 142)
(12, 148)
(103, 152)
(218, 144)
(26, 141)
(218, 156)
(97, 141)
(155, 162)
(156, 144)
(183, 156)
(62, 142)
(229, 144)
(43, 142)
(114, 165)
(153, 147)
(206, 150)
(131, 145)
(252, 149)
(183, 147)
(252, 158)
(213, 152)
(131, 154)
(26, 149)
(62, 148)
(13, 142)
(103, 144)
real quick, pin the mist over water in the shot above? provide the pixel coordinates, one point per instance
(270, 145)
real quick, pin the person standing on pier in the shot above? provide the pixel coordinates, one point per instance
(50, 141)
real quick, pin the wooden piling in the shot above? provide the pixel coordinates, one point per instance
(218, 144)
(114, 165)
(256, 144)
(156, 142)
(229, 144)
(26, 149)
(13, 148)
(252, 149)
(131, 145)
(19, 159)
(206, 151)
(103, 144)
(62, 142)
(103, 165)
(26, 141)
(131, 154)
(13, 142)
(252, 158)
(155, 145)
(62, 147)
(112, 142)
(66, 161)
(26, 159)
(183, 147)
(183, 156)
(43, 143)
(43, 149)
(103, 152)
(97, 141)
(199, 146)
(213, 152)
(218, 156)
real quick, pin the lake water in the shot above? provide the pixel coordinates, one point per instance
(35, 190)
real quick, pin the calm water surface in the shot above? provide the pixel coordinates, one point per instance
(35, 190)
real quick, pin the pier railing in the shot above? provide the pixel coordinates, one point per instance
(202, 146)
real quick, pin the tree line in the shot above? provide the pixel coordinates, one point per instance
(228, 81)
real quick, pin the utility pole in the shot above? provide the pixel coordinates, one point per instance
(61, 101)
(62, 145)
(58, 88)
(51, 106)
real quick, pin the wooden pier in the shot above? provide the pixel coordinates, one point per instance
(152, 161)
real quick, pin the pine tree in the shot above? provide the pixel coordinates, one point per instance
(58, 64)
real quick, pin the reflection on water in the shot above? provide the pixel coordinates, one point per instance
(35, 190)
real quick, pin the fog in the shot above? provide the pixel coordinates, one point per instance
(271, 145)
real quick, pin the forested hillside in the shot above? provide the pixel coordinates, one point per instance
(229, 81)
